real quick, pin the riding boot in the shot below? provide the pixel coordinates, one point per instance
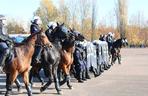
(37, 54)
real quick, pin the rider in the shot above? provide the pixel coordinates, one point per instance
(34, 28)
(5, 42)
(110, 39)
(51, 26)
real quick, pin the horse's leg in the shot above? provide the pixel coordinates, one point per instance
(8, 86)
(31, 74)
(68, 78)
(113, 59)
(18, 84)
(46, 85)
(64, 70)
(49, 81)
(26, 81)
(56, 80)
(119, 58)
(40, 78)
(10, 78)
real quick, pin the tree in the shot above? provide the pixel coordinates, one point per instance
(64, 13)
(47, 11)
(73, 9)
(93, 23)
(122, 17)
(13, 27)
(84, 11)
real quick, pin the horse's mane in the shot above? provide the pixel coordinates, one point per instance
(25, 40)
(29, 37)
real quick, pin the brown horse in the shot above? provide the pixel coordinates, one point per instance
(67, 51)
(20, 64)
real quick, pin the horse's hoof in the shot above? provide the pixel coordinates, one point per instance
(70, 87)
(42, 83)
(30, 94)
(96, 75)
(42, 89)
(59, 92)
(19, 89)
(8, 93)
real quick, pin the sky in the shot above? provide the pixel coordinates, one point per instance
(19, 9)
(23, 9)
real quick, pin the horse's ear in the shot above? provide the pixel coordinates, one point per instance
(57, 23)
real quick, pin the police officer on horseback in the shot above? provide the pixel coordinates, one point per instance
(110, 39)
(51, 26)
(34, 28)
(5, 42)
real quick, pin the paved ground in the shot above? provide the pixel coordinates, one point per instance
(128, 79)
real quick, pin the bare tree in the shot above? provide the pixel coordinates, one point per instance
(47, 11)
(84, 11)
(73, 9)
(122, 17)
(64, 12)
(93, 23)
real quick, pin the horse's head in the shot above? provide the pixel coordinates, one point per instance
(124, 42)
(60, 32)
(78, 36)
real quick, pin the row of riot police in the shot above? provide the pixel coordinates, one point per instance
(90, 57)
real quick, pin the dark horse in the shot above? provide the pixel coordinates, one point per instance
(116, 47)
(50, 58)
(20, 63)
(64, 40)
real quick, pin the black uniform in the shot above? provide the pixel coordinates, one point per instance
(79, 61)
(5, 43)
(34, 28)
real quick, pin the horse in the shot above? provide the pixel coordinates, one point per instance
(64, 39)
(50, 57)
(68, 47)
(116, 47)
(67, 51)
(20, 63)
